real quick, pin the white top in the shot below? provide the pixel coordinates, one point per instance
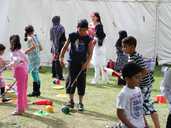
(99, 54)
(131, 101)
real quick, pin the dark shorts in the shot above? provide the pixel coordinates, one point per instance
(168, 125)
(80, 84)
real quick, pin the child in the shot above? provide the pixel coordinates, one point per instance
(33, 52)
(130, 100)
(98, 58)
(2, 81)
(57, 36)
(79, 57)
(122, 58)
(166, 84)
(129, 47)
(19, 65)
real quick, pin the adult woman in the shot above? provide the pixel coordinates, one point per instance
(98, 59)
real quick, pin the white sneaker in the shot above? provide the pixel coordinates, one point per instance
(93, 81)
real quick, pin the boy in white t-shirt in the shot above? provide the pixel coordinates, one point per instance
(130, 100)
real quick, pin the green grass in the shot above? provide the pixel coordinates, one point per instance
(99, 106)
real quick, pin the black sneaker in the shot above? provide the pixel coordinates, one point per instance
(70, 104)
(6, 99)
(61, 78)
(32, 94)
(80, 107)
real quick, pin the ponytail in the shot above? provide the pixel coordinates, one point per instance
(25, 37)
(28, 29)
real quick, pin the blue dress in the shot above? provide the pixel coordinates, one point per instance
(34, 55)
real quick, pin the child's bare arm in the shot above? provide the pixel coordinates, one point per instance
(89, 55)
(64, 49)
(33, 46)
(122, 117)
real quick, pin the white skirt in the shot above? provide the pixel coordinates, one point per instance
(99, 55)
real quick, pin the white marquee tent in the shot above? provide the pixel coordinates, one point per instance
(147, 20)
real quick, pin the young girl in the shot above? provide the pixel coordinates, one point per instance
(19, 66)
(2, 81)
(33, 52)
(99, 59)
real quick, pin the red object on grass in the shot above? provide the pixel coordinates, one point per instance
(116, 74)
(160, 99)
(57, 81)
(43, 102)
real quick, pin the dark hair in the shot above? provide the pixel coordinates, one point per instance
(96, 14)
(82, 23)
(2, 47)
(15, 42)
(122, 35)
(130, 69)
(28, 29)
(56, 20)
(130, 41)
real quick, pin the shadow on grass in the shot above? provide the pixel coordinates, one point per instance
(99, 116)
(108, 85)
(14, 106)
(8, 104)
(1, 124)
(54, 123)
(9, 125)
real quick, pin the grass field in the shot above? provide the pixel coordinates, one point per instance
(99, 106)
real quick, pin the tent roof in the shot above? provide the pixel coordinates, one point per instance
(164, 1)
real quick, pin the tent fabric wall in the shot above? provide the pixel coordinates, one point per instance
(4, 20)
(164, 49)
(139, 17)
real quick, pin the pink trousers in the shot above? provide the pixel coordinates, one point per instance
(21, 75)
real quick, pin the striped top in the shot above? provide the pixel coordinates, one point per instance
(138, 59)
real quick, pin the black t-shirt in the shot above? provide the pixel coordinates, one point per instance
(79, 47)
